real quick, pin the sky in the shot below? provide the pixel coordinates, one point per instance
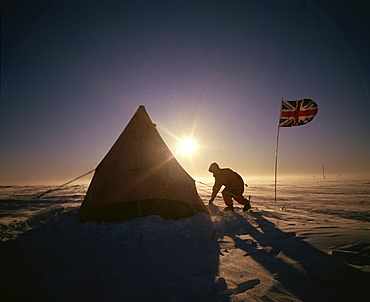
(73, 73)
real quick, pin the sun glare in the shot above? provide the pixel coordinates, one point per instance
(187, 146)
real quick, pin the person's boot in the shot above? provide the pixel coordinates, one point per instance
(246, 207)
(229, 208)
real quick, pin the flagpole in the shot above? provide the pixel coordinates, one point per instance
(276, 152)
(276, 159)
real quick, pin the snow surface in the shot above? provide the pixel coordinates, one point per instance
(312, 245)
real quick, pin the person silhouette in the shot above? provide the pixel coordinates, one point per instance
(234, 187)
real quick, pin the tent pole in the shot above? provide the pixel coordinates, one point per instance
(138, 204)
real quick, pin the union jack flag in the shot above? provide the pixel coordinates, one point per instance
(297, 113)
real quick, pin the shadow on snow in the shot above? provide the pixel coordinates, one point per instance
(307, 272)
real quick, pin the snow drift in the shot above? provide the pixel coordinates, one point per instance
(313, 245)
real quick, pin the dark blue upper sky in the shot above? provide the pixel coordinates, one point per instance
(74, 72)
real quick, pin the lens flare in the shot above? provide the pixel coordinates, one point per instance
(188, 146)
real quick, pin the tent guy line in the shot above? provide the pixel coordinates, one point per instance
(67, 183)
(42, 194)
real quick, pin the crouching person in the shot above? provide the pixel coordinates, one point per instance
(234, 187)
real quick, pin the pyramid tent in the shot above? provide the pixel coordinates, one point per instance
(139, 176)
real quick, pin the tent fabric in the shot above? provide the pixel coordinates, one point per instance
(139, 176)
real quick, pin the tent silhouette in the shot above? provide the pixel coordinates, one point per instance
(139, 176)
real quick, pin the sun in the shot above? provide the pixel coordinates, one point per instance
(188, 146)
